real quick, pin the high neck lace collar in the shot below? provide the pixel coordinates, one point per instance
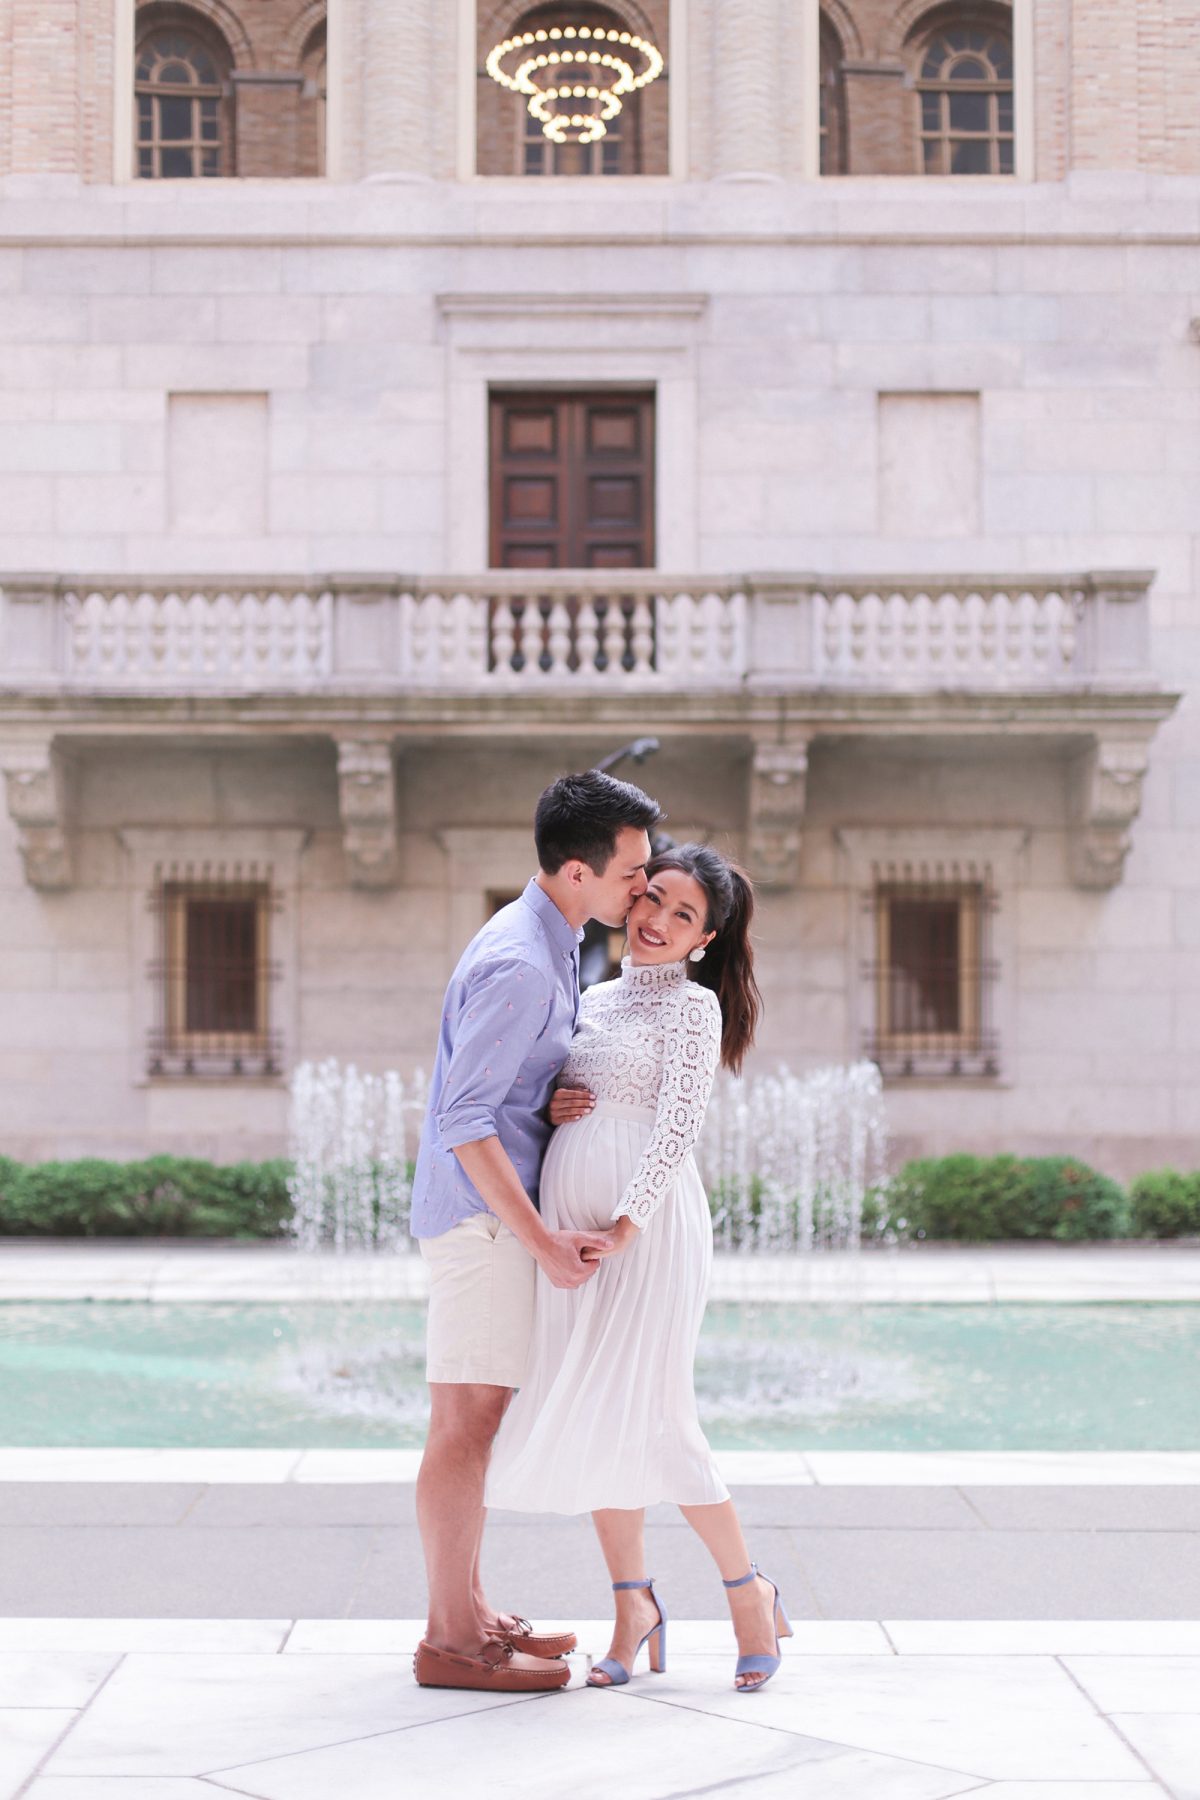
(653, 975)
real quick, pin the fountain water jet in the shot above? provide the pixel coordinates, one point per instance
(787, 1159)
(352, 1140)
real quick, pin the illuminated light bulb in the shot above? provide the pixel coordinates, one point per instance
(575, 68)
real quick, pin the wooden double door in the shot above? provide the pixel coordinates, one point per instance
(572, 480)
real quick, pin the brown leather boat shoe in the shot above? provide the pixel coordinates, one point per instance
(522, 1636)
(497, 1667)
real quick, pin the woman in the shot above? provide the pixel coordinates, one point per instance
(606, 1422)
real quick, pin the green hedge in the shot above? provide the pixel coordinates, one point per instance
(979, 1199)
(1165, 1204)
(972, 1199)
(165, 1196)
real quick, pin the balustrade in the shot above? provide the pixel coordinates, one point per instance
(974, 637)
(565, 630)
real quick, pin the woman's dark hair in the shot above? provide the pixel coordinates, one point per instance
(578, 818)
(728, 965)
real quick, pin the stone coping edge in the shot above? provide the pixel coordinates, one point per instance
(741, 1468)
(912, 1274)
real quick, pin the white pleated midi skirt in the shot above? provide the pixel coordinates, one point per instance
(607, 1416)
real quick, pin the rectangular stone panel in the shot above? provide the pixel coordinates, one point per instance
(929, 465)
(217, 463)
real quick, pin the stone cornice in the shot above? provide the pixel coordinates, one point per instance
(516, 712)
(1103, 208)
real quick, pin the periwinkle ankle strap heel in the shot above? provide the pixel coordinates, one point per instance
(761, 1665)
(656, 1637)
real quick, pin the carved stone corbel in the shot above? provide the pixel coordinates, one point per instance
(367, 801)
(778, 781)
(1108, 798)
(33, 783)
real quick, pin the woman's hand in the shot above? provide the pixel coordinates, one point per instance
(622, 1231)
(568, 1104)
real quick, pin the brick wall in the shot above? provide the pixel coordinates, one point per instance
(57, 74)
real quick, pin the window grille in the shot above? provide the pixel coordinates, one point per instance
(604, 157)
(932, 979)
(965, 93)
(182, 112)
(213, 978)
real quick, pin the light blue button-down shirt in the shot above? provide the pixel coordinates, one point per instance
(507, 1022)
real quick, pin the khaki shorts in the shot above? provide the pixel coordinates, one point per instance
(481, 1288)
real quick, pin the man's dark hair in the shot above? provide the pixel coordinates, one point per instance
(578, 818)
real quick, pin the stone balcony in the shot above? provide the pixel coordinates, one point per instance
(777, 659)
(562, 631)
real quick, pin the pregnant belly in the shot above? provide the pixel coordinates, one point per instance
(588, 1166)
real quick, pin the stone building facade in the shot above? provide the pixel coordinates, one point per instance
(339, 511)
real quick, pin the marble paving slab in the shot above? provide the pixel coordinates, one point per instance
(328, 1710)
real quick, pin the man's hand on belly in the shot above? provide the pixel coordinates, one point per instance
(559, 1253)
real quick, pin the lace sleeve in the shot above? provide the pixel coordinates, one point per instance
(691, 1050)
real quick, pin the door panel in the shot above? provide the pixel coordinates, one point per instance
(572, 480)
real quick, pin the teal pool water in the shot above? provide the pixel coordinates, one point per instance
(926, 1377)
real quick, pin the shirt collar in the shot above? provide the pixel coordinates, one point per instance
(562, 935)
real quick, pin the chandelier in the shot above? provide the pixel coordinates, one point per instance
(574, 77)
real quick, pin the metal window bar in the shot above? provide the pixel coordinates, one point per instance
(931, 979)
(212, 979)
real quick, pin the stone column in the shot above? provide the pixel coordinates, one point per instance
(399, 98)
(748, 82)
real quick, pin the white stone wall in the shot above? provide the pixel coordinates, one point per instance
(318, 332)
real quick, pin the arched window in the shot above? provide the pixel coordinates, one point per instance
(183, 117)
(965, 93)
(833, 102)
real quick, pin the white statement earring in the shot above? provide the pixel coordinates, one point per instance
(696, 955)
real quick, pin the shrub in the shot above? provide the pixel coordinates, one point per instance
(981, 1199)
(165, 1196)
(1166, 1204)
(1070, 1202)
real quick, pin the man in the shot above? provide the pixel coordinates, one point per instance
(507, 1022)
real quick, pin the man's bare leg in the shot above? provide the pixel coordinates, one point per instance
(491, 1619)
(464, 1420)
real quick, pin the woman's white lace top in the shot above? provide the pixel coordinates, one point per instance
(650, 1038)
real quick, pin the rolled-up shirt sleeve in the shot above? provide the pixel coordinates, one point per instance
(505, 1009)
